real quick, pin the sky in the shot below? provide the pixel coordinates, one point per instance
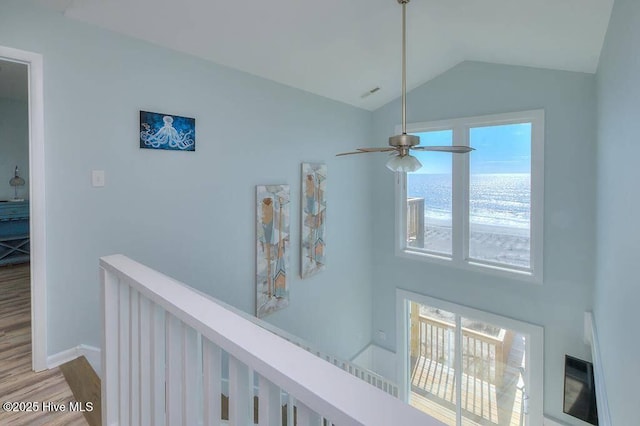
(498, 149)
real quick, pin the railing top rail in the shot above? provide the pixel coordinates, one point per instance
(324, 388)
(289, 336)
(468, 331)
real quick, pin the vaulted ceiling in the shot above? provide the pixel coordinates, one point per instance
(342, 49)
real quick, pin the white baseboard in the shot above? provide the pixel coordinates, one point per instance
(90, 352)
(60, 358)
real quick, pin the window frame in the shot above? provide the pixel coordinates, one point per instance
(534, 346)
(460, 198)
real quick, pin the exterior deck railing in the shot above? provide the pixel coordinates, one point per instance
(162, 357)
(484, 356)
(415, 221)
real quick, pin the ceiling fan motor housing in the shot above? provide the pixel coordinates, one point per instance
(404, 140)
(403, 143)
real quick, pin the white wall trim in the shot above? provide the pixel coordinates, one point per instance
(60, 358)
(90, 352)
(37, 202)
(602, 402)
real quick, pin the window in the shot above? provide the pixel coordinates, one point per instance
(482, 210)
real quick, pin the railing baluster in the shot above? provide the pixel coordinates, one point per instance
(483, 378)
(144, 343)
(190, 386)
(270, 405)
(428, 341)
(110, 369)
(157, 364)
(291, 412)
(240, 394)
(475, 371)
(124, 372)
(134, 359)
(468, 373)
(174, 371)
(212, 382)
(435, 333)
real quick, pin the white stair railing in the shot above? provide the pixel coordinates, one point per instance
(371, 377)
(163, 345)
(365, 374)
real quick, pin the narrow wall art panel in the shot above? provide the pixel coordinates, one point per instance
(314, 208)
(164, 131)
(272, 248)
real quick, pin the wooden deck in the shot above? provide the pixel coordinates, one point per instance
(483, 403)
(17, 382)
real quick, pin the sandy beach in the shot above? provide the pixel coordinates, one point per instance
(493, 243)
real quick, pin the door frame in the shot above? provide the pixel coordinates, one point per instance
(534, 354)
(37, 220)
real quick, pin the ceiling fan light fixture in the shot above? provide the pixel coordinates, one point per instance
(406, 163)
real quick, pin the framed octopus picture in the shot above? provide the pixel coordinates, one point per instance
(164, 131)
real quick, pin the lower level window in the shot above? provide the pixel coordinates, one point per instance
(469, 367)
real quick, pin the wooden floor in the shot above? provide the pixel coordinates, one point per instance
(483, 403)
(17, 382)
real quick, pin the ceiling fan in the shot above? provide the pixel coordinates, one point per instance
(401, 144)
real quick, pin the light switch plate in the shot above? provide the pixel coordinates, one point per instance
(97, 178)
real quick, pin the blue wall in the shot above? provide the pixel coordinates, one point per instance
(14, 145)
(191, 215)
(569, 102)
(617, 293)
(188, 214)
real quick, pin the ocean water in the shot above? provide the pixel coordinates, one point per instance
(500, 199)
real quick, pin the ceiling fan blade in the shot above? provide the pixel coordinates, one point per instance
(350, 153)
(385, 149)
(365, 150)
(455, 149)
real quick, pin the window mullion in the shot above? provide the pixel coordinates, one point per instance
(460, 198)
(401, 211)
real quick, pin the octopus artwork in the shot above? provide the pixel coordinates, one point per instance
(160, 131)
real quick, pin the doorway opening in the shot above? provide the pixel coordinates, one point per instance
(469, 367)
(22, 221)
